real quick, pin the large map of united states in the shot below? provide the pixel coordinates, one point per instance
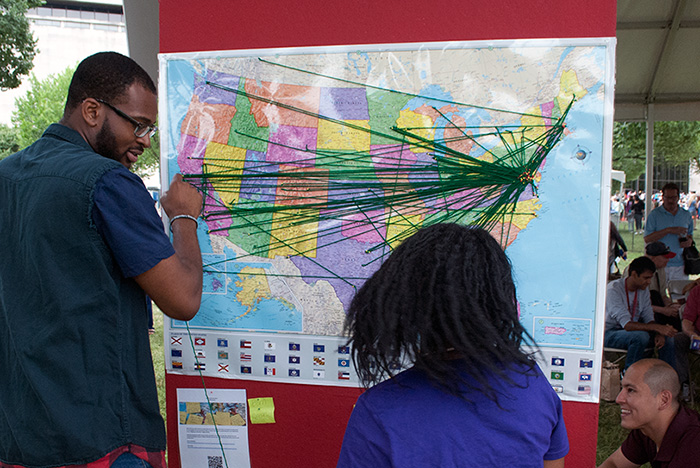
(331, 178)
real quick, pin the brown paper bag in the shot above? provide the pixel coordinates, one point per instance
(609, 381)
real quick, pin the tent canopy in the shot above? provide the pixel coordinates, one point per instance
(658, 60)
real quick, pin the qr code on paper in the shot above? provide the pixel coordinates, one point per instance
(215, 462)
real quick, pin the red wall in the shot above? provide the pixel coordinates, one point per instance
(311, 419)
(187, 25)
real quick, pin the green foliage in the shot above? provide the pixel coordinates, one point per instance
(150, 158)
(43, 105)
(629, 143)
(17, 44)
(158, 355)
(9, 141)
(677, 143)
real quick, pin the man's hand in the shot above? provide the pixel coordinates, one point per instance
(659, 341)
(677, 230)
(670, 310)
(688, 242)
(181, 199)
(664, 330)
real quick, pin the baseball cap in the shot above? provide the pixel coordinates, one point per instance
(658, 248)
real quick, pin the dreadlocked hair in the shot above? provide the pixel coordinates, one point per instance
(444, 297)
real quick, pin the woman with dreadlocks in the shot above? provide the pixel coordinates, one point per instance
(444, 302)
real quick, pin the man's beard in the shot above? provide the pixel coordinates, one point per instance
(106, 143)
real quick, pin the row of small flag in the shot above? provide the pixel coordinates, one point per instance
(269, 371)
(247, 344)
(270, 358)
(317, 348)
(317, 373)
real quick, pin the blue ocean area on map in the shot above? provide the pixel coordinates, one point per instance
(569, 190)
(220, 308)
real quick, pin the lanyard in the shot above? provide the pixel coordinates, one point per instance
(632, 310)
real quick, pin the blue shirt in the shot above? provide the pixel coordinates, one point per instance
(74, 350)
(126, 219)
(660, 219)
(408, 422)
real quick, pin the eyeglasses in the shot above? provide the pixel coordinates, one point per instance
(141, 129)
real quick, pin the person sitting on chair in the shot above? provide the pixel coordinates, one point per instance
(665, 310)
(629, 319)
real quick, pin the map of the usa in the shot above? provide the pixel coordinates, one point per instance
(315, 164)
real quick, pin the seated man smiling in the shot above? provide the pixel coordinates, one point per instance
(664, 433)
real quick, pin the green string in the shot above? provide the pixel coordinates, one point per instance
(326, 186)
(211, 409)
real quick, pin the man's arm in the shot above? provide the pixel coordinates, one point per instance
(663, 330)
(618, 460)
(688, 327)
(669, 309)
(658, 235)
(175, 283)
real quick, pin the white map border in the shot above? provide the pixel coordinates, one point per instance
(546, 353)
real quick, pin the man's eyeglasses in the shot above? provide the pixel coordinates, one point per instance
(141, 129)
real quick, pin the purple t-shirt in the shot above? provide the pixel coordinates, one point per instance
(408, 422)
(680, 447)
(126, 218)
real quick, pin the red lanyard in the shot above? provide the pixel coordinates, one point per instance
(633, 310)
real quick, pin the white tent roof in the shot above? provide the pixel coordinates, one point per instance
(658, 59)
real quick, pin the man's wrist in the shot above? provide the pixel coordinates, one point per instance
(183, 216)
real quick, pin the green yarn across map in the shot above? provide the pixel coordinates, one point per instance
(315, 163)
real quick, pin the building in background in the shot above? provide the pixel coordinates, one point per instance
(67, 31)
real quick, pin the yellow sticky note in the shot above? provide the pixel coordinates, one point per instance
(193, 407)
(195, 419)
(262, 410)
(222, 419)
(237, 420)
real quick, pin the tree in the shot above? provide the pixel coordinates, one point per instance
(43, 105)
(9, 141)
(17, 44)
(677, 143)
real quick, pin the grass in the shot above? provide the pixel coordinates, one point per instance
(158, 354)
(634, 242)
